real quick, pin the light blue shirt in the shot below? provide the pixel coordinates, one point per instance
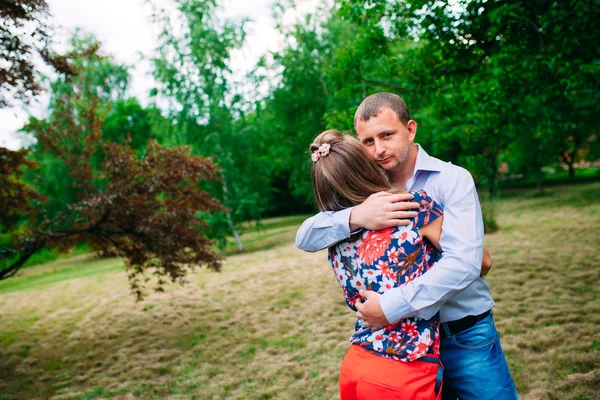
(452, 286)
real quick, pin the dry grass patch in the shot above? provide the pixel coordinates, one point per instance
(545, 283)
(274, 323)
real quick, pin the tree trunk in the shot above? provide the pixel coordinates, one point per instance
(39, 242)
(16, 266)
(571, 170)
(569, 157)
(539, 177)
(492, 174)
(236, 235)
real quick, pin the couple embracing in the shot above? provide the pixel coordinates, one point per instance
(405, 238)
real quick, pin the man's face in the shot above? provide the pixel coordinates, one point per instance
(387, 140)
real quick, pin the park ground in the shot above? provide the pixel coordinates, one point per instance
(273, 324)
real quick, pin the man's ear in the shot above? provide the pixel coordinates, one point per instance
(411, 126)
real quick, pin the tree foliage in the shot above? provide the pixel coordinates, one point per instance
(23, 31)
(194, 70)
(25, 38)
(139, 206)
(501, 88)
(17, 198)
(507, 76)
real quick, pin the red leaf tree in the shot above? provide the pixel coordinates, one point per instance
(146, 212)
(141, 206)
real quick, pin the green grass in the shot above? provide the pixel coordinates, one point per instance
(59, 271)
(264, 235)
(45, 256)
(558, 177)
(273, 324)
(275, 223)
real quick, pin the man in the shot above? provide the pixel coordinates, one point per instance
(474, 364)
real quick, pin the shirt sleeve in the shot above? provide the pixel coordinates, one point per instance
(460, 265)
(324, 230)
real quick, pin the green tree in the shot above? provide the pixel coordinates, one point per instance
(140, 206)
(194, 72)
(93, 81)
(293, 114)
(505, 76)
(128, 121)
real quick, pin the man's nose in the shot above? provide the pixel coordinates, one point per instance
(379, 148)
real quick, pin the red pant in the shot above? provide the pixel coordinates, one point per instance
(367, 376)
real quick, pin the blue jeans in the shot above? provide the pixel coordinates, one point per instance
(474, 364)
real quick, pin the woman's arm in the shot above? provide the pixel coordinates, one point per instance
(433, 231)
(486, 264)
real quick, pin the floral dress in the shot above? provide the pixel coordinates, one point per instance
(386, 259)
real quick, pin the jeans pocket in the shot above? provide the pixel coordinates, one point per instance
(477, 337)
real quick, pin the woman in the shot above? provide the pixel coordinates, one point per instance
(399, 361)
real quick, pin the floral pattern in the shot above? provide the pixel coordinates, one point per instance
(383, 260)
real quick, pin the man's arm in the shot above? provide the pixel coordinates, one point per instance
(381, 210)
(462, 241)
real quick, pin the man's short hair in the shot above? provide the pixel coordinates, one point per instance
(373, 104)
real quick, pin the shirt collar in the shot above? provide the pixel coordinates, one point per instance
(424, 161)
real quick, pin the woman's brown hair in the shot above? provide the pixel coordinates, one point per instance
(347, 175)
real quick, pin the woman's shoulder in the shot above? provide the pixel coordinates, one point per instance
(428, 208)
(421, 196)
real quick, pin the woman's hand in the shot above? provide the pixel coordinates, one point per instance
(433, 232)
(486, 264)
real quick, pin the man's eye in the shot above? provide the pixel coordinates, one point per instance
(387, 135)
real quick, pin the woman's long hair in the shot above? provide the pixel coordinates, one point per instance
(347, 175)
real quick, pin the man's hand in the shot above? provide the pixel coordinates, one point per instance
(486, 264)
(370, 310)
(383, 210)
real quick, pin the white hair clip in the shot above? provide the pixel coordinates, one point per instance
(322, 151)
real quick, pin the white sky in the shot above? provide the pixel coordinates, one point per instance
(125, 30)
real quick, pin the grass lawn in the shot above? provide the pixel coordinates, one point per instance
(274, 325)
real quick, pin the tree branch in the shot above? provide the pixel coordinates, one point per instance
(16, 266)
(41, 241)
(536, 29)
